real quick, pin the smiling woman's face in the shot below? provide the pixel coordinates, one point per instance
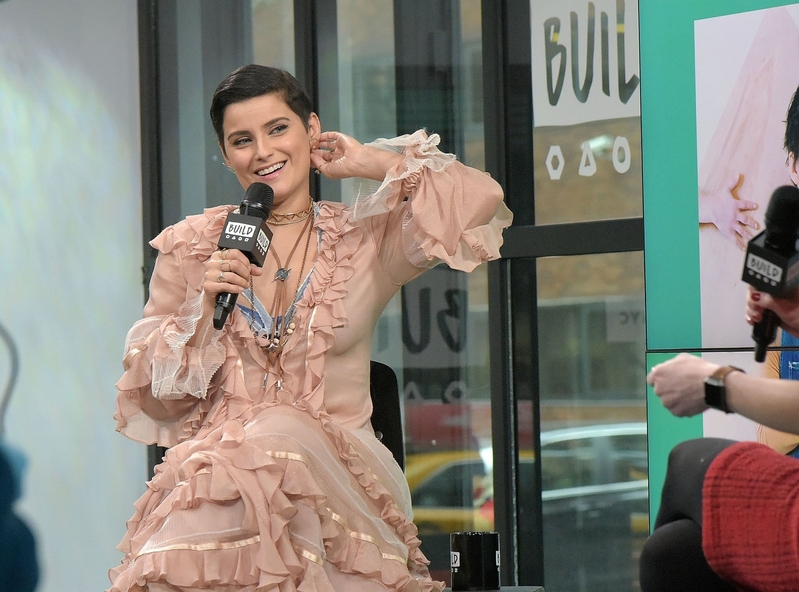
(266, 142)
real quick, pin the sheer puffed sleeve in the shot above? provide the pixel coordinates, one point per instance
(163, 393)
(431, 208)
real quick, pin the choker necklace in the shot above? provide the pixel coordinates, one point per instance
(291, 217)
(272, 342)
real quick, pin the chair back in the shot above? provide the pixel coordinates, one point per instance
(387, 410)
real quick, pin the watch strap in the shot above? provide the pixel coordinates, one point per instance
(715, 389)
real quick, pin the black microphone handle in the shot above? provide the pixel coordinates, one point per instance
(224, 305)
(764, 332)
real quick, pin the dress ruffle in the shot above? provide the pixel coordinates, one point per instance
(438, 225)
(157, 350)
(261, 555)
(224, 473)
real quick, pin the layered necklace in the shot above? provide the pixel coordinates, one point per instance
(272, 340)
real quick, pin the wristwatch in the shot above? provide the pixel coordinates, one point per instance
(715, 391)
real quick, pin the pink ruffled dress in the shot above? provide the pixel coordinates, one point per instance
(266, 488)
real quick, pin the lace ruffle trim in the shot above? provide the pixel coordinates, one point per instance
(420, 152)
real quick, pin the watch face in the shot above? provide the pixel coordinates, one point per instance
(715, 394)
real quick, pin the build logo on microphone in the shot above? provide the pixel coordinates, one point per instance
(763, 270)
(263, 241)
(239, 231)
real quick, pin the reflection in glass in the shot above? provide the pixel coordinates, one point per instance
(591, 348)
(435, 335)
(606, 194)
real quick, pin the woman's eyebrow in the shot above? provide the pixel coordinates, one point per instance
(267, 124)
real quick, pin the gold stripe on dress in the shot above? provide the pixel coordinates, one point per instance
(286, 455)
(309, 324)
(204, 546)
(337, 518)
(240, 367)
(363, 537)
(311, 556)
(393, 558)
(135, 352)
(130, 355)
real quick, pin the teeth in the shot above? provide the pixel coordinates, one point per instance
(271, 169)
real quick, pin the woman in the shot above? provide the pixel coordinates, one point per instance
(729, 515)
(274, 479)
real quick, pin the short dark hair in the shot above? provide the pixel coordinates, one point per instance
(792, 126)
(253, 80)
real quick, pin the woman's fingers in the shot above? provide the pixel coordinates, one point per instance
(745, 205)
(747, 222)
(337, 155)
(229, 271)
(754, 309)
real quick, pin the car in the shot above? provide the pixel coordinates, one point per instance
(594, 502)
(445, 487)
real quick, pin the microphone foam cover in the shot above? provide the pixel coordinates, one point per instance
(783, 209)
(257, 200)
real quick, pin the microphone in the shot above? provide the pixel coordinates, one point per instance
(772, 264)
(247, 232)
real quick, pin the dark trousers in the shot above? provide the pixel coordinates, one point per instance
(672, 559)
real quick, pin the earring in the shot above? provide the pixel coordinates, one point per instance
(228, 167)
(313, 142)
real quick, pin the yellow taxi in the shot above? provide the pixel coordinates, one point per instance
(446, 490)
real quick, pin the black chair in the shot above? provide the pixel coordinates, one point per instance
(387, 410)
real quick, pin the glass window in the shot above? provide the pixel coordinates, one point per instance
(628, 457)
(586, 101)
(591, 344)
(273, 33)
(451, 487)
(591, 328)
(434, 334)
(567, 464)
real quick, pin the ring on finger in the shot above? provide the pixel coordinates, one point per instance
(223, 264)
(221, 278)
(223, 254)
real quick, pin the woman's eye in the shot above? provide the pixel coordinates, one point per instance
(278, 129)
(241, 141)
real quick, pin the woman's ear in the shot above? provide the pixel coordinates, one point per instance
(225, 161)
(792, 169)
(314, 126)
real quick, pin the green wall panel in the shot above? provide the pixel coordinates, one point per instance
(665, 432)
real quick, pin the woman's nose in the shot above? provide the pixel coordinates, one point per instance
(263, 148)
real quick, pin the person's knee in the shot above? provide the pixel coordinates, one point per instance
(680, 452)
(688, 451)
(698, 452)
(672, 559)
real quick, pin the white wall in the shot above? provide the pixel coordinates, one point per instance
(70, 271)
